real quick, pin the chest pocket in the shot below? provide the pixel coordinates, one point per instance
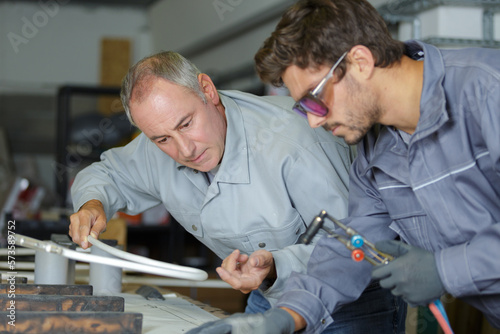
(267, 238)
(190, 221)
(408, 218)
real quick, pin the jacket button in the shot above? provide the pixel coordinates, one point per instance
(194, 228)
(262, 244)
(323, 321)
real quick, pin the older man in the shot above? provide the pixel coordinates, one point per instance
(243, 174)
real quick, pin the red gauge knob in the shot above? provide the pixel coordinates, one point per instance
(357, 255)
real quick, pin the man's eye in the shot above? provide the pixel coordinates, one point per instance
(185, 125)
(163, 140)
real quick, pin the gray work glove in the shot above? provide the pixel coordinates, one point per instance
(412, 275)
(273, 321)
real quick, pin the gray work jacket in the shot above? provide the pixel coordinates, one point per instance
(272, 181)
(440, 192)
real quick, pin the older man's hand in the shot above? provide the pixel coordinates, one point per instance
(90, 219)
(246, 273)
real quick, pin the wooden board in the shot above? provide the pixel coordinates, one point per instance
(47, 289)
(53, 309)
(63, 303)
(71, 322)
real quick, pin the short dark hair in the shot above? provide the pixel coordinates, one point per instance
(312, 33)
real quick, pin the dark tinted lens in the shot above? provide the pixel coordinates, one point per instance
(311, 104)
(299, 110)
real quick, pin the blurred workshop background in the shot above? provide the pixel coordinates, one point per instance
(62, 61)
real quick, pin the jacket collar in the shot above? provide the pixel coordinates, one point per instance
(433, 113)
(385, 149)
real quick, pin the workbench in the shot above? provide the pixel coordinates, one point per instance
(56, 309)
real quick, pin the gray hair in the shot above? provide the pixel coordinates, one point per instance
(168, 65)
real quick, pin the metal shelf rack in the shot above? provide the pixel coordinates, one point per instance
(397, 11)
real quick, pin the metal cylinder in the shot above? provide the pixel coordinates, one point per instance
(71, 272)
(105, 280)
(50, 268)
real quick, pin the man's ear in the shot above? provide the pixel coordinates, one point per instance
(362, 61)
(208, 88)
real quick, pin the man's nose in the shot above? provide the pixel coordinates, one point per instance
(185, 146)
(315, 121)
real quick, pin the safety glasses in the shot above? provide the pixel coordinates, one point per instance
(311, 102)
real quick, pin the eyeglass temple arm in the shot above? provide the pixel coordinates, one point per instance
(328, 75)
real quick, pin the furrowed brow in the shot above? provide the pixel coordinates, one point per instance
(181, 121)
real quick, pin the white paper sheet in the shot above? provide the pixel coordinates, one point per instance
(172, 315)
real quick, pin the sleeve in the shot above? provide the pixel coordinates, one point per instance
(309, 194)
(121, 181)
(490, 123)
(478, 272)
(332, 278)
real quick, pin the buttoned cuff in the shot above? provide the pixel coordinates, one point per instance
(454, 270)
(310, 307)
(273, 289)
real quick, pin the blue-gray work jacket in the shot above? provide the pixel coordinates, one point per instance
(440, 192)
